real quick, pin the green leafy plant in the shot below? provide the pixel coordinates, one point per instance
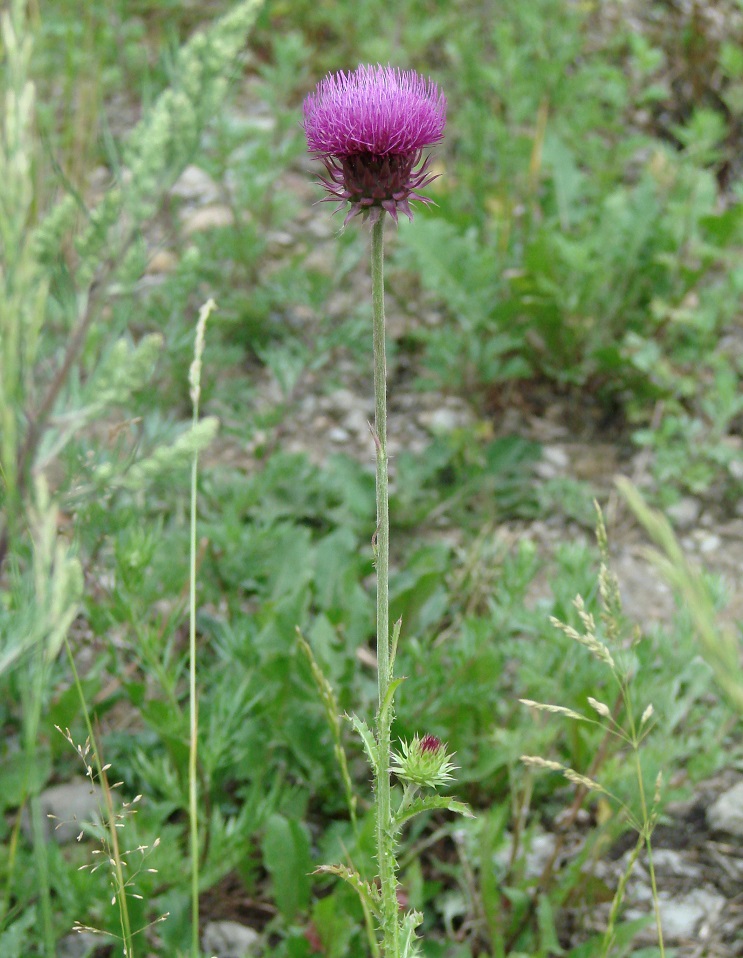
(718, 643)
(42, 407)
(583, 255)
(370, 128)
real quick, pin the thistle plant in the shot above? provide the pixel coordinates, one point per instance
(370, 128)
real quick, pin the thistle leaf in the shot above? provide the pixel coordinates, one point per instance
(388, 699)
(367, 737)
(428, 804)
(368, 894)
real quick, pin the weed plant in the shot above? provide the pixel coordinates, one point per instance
(60, 375)
(627, 733)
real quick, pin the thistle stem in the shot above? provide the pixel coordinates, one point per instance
(385, 852)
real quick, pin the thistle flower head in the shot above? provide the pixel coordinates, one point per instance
(423, 762)
(370, 128)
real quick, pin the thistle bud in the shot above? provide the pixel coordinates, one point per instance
(423, 762)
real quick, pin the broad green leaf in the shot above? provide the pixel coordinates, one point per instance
(549, 945)
(286, 855)
(14, 941)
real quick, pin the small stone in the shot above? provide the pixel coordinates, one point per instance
(358, 422)
(163, 261)
(321, 423)
(195, 186)
(537, 853)
(339, 401)
(684, 513)
(78, 944)
(338, 435)
(207, 218)
(259, 438)
(667, 861)
(710, 542)
(229, 939)
(445, 419)
(280, 238)
(554, 462)
(735, 465)
(681, 914)
(726, 812)
(736, 469)
(72, 805)
(441, 421)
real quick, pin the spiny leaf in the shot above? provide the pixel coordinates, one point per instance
(367, 737)
(368, 893)
(431, 803)
(391, 689)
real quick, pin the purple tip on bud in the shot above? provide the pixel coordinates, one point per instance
(429, 743)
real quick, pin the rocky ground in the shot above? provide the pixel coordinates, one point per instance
(699, 845)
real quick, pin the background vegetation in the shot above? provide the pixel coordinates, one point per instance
(584, 254)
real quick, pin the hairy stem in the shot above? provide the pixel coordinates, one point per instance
(385, 852)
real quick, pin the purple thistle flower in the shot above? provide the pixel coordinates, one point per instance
(369, 128)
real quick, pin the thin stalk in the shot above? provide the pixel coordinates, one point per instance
(647, 823)
(609, 935)
(32, 718)
(332, 713)
(194, 379)
(110, 818)
(193, 813)
(384, 719)
(645, 835)
(10, 869)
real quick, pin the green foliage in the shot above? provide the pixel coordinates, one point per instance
(718, 643)
(585, 243)
(286, 853)
(572, 246)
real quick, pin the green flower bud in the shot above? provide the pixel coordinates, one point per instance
(424, 762)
